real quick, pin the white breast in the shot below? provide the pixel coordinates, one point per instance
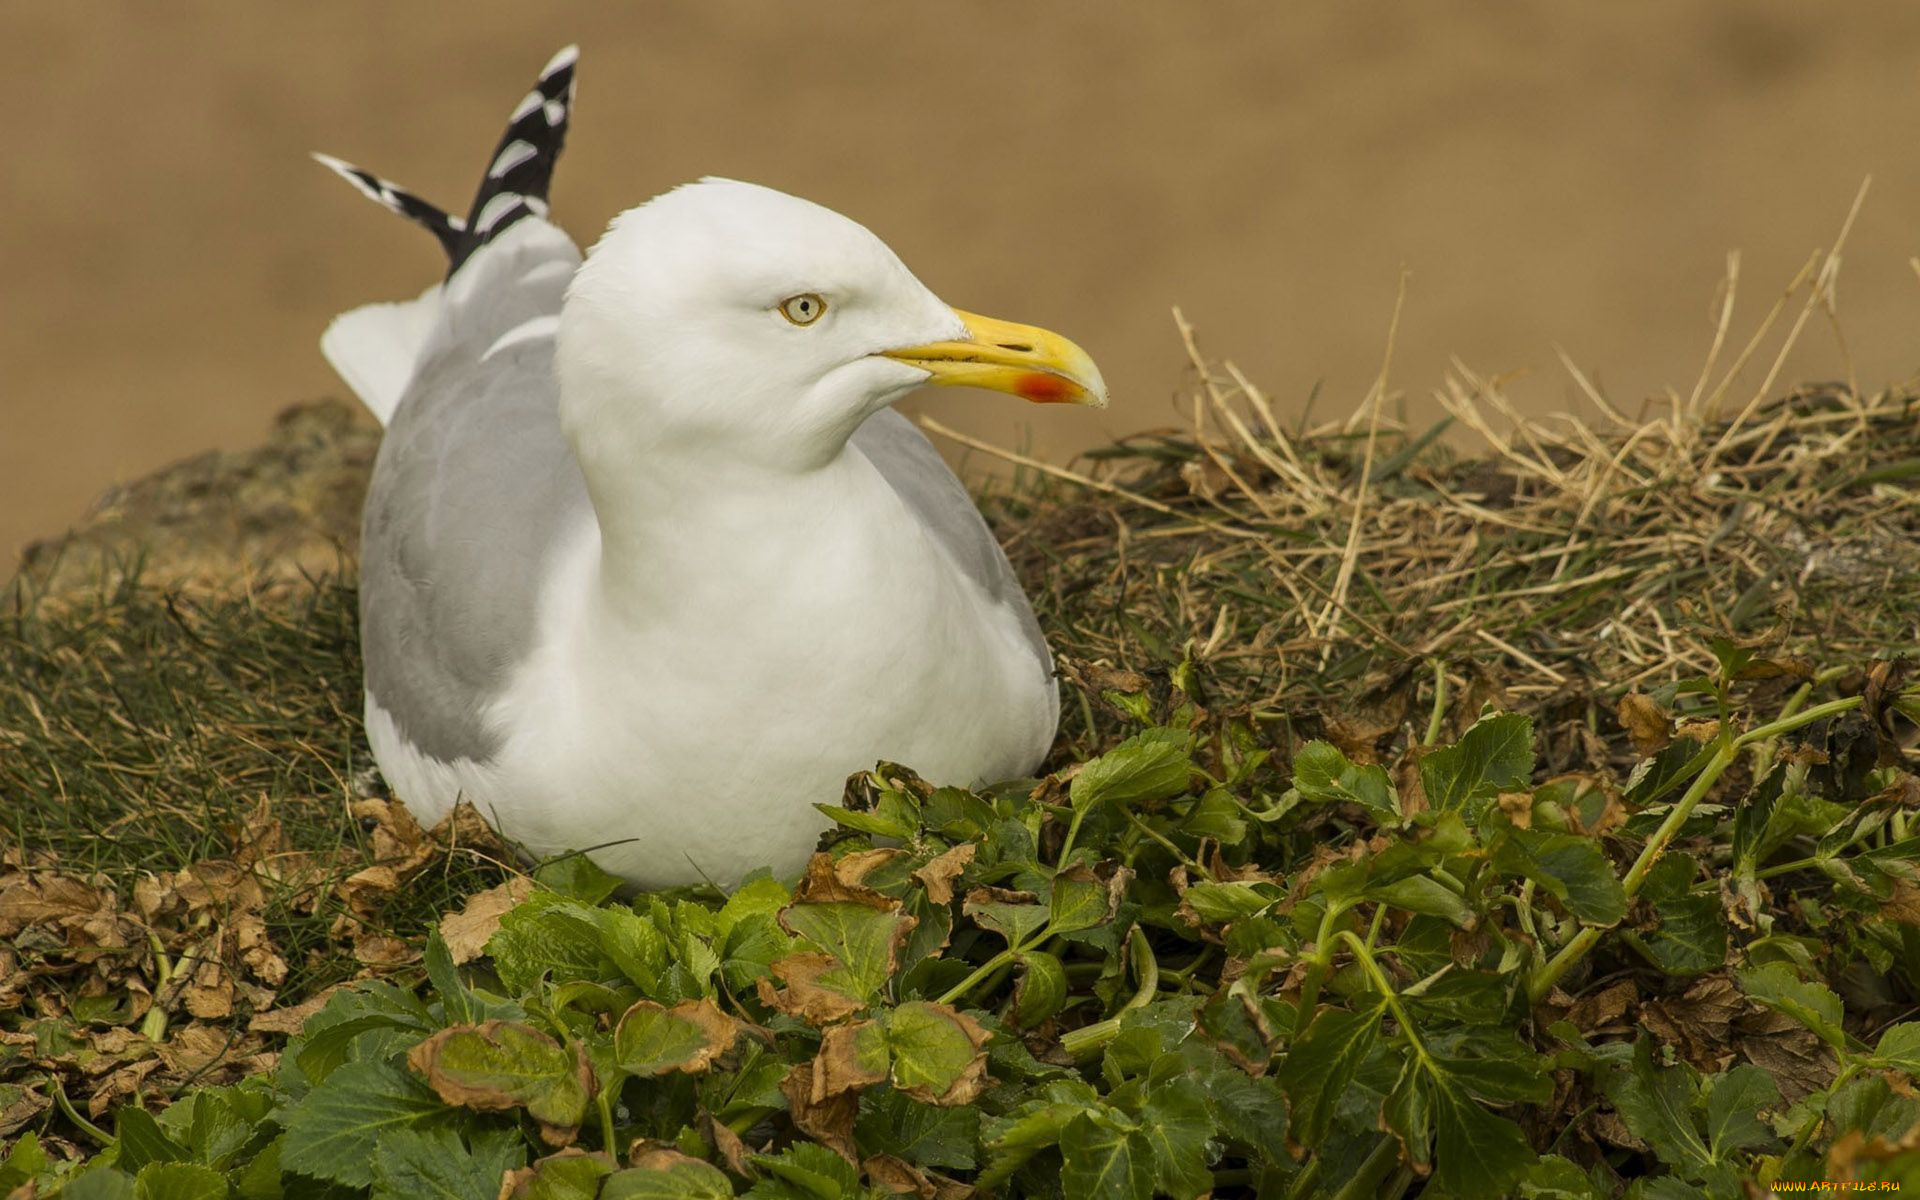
(698, 728)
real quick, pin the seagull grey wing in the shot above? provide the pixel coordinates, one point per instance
(473, 490)
(917, 473)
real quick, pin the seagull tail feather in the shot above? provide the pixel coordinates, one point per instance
(521, 172)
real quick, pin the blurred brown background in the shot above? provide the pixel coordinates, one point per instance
(1550, 174)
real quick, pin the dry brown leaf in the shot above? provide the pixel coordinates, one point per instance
(464, 827)
(829, 1122)
(938, 875)
(468, 931)
(1603, 1009)
(1519, 808)
(1648, 725)
(803, 997)
(1793, 1054)
(1698, 729)
(23, 1108)
(727, 1144)
(383, 952)
(1903, 906)
(46, 899)
(647, 1155)
(289, 1020)
(825, 882)
(902, 1178)
(837, 1068)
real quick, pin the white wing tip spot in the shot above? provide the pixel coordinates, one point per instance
(496, 208)
(514, 153)
(528, 103)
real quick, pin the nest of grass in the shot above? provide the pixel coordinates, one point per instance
(1306, 566)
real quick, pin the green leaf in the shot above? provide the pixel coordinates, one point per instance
(1900, 1047)
(1321, 1064)
(749, 949)
(813, 1171)
(577, 877)
(1407, 1113)
(261, 1179)
(98, 1183)
(1426, 895)
(1177, 1125)
(683, 1179)
(332, 1133)
(209, 1126)
(654, 1040)
(502, 1065)
(1041, 989)
(549, 936)
(1494, 756)
(24, 1161)
(432, 1164)
(569, 1175)
(1733, 1110)
(1017, 922)
(922, 1134)
(1509, 1074)
(1656, 1103)
(1556, 1178)
(456, 1003)
(863, 938)
(1080, 900)
(1812, 1004)
(140, 1141)
(1326, 776)
(1692, 937)
(1569, 866)
(1105, 1160)
(937, 1052)
(1216, 815)
(1145, 768)
(1220, 903)
(180, 1181)
(1032, 1127)
(1475, 1152)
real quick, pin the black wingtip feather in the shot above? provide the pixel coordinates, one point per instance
(450, 230)
(521, 171)
(517, 179)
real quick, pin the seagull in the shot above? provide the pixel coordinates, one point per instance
(649, 563)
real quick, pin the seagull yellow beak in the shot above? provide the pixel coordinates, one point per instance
(1035, 364)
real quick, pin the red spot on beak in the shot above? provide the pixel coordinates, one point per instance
(1046, 389)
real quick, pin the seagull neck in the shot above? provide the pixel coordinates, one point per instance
(724, 527)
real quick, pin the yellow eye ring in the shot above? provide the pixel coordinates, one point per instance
(804, 309)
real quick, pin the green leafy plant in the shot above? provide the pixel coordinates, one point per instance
(1177, 969)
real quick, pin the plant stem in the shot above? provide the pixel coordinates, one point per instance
(153, 1026)
(1583, 941)
(1388, 996)
(1179, 855)
(85, 1126)
(1806, 1133)
(1366, 1180)
(1439, 702)
(994, 964)
(1084, 1041)
(1073, 831)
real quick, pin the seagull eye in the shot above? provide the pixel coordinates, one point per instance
(804, 309)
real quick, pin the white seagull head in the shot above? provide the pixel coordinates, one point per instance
(733, 319)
